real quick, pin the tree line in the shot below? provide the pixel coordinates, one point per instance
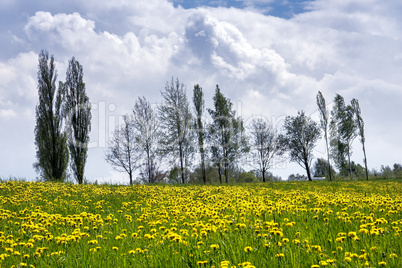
(177, 134)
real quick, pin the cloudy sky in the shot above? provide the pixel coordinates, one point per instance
(270, 57)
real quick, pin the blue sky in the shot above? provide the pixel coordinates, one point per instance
(278, 8)
(269, 57)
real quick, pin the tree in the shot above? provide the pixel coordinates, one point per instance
(226, 134)
(344, 127)
(324, 120)
(175, 118)
(77, 111)
(266, 144)
(349, 133)
(320, 168)
(198, 101)
(360, 126)
(151, 170)
(123, 152)
(338, 146)
(300, 136)
(146, 130)
(297, 177)
(50, 138)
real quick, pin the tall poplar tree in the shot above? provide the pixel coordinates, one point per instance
(338, 147)
(77, 110)
(324, 120)
(344, 131)
(198, 100)
(50, 138)
(360, 125)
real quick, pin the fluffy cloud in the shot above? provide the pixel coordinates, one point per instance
(264, 64)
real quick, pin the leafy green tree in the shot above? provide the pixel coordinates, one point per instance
(77, 110)
(300, 136)
(228, 141)
(146, 128)
(266, 144)
(123, 152)
(175, 121)
(343, 122)
(50, 138)
(360, 126)
(320, 169)
(297, 177)
(198, 101)
(337, 144)
(324, 120)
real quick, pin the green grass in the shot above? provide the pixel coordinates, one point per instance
(287, 224)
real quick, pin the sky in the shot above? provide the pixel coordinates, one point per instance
(269, 57)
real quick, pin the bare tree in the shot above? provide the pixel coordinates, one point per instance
(146, 130)
(175, 119)
(266, 144)
(123, 152)
(324, 120)
(360, 125)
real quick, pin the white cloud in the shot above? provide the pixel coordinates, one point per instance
(7, 113)
(270, 65)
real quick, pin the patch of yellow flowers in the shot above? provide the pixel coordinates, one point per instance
(285, 224)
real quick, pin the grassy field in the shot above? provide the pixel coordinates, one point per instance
(299, 224)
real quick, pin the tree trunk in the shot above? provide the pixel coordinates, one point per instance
(149, 167)
(204, 173)
(263, 175)
(181, 163)
(227, 172)
(365, 160)
(329, 163)
(308, 170)
(220, 172)
(350, 164)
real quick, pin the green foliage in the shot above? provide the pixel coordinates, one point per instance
(228, 141)
(300, 136)
(198, 101)
(343, 132)
(324, 120)
(360, 126)
(50, 138)
(77, 110)
(297, 177)
(246, 177)
(320, 169)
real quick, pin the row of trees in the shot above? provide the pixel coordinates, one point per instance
(179, 133)
(63, 121)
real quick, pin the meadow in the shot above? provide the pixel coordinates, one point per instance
(285, 224)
